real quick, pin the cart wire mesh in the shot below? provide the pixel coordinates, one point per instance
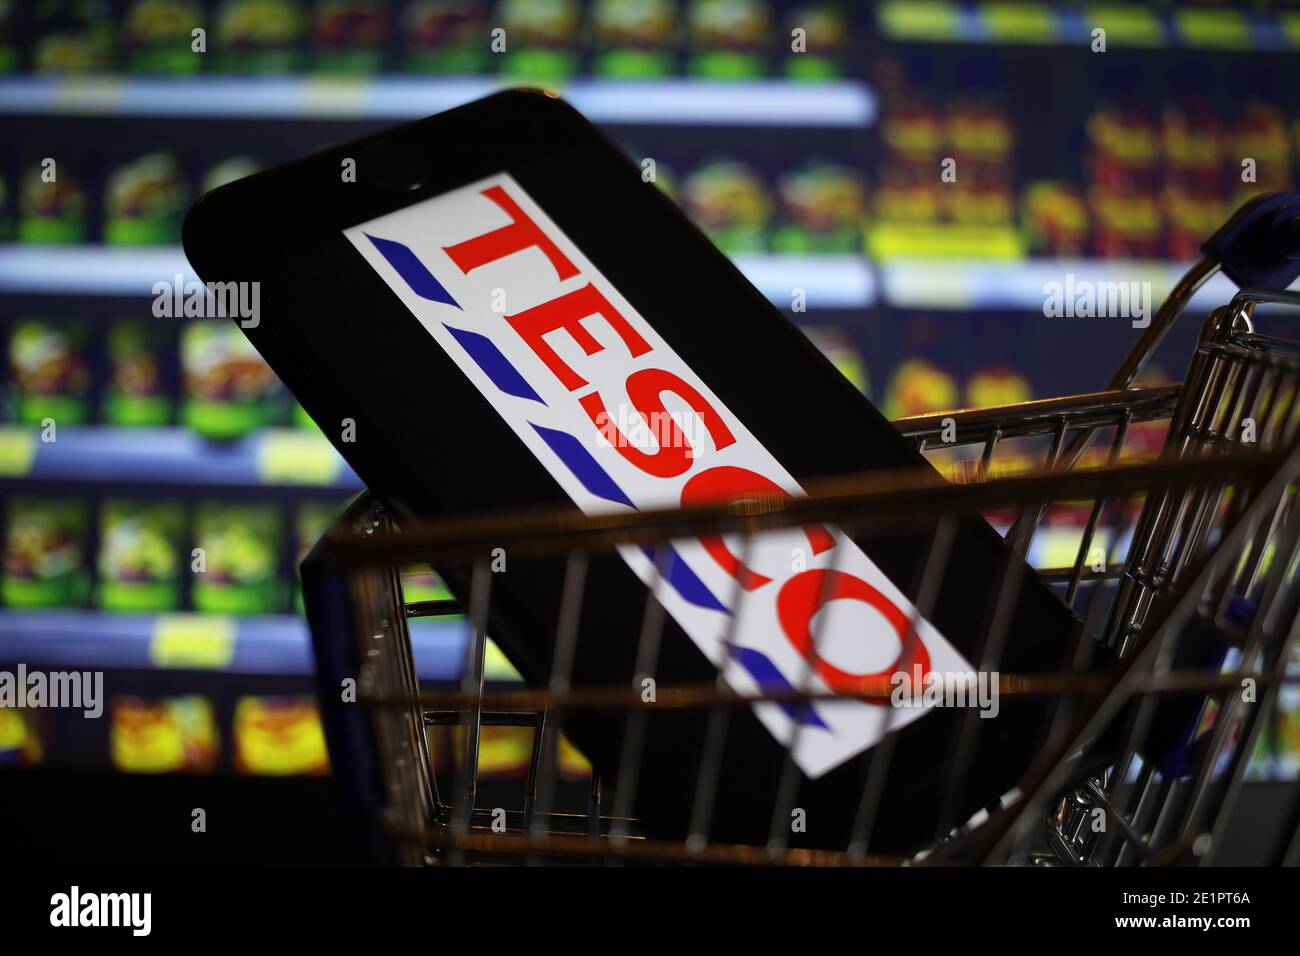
(1185, 555)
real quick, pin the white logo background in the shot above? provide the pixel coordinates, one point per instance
(854, 637)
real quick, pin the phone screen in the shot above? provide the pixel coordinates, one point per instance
(621, 422)
(510, 317)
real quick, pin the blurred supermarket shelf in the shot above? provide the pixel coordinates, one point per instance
(829, 281)
(634, 102)
(1126, 25)
(1023, 285)
(175, 456)
(276, 644)
(89, 270)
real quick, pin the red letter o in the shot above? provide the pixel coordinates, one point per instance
(808, 592)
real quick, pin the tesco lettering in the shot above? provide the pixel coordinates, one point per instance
(554, 347)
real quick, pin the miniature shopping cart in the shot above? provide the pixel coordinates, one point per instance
(1183, 563)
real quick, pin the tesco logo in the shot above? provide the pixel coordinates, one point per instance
(563, 357)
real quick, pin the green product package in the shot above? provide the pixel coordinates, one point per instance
(230, 391)
(45, 554)
(634, 39)
(145, 201)
(50, 368)
(730, 39)
(240, 559)
(51, 205)
(140, 556)
(137, 393)
(259, 36)
(349, 37)
(824, 207)
(72, 36)
(729, 201)
(444, 36)
(157, 37)
(539, 36)
(825, 42)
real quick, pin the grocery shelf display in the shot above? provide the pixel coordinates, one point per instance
(136, 440)
(1210, 26)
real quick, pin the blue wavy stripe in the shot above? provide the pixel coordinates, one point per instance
(685, 582)
(598, 481)
(409, 267)
(584, 467)
(762, 669)
(494, 363)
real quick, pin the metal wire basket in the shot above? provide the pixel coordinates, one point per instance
(1184, 567)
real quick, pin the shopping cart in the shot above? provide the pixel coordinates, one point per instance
(1184, 566)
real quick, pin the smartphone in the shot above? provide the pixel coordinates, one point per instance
(489, 310)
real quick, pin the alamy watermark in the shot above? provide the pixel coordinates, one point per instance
(627, 427)
(64, 690)
(212, 300)
(75, 908)
(946, 689)
(1085, 299)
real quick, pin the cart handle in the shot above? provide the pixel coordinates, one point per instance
(1259, 247)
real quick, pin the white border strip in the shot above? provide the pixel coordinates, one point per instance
(676, 101)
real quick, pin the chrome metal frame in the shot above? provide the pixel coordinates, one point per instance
(1187, 539)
